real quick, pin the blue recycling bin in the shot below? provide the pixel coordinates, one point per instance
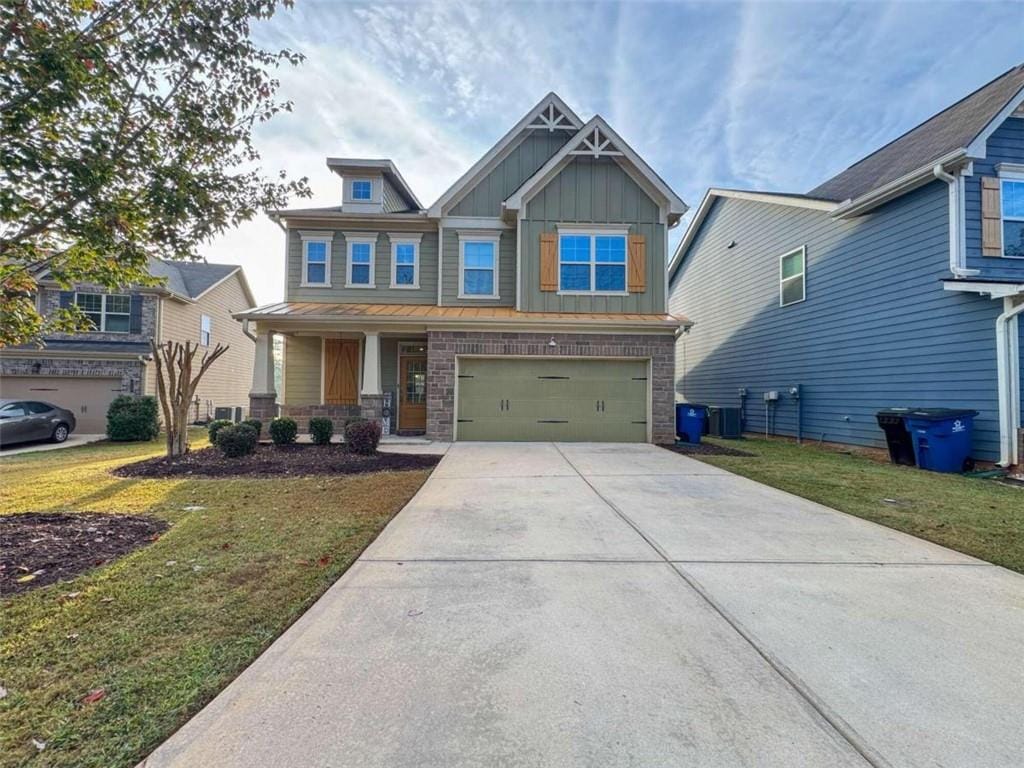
(690, 419)
(942, 438)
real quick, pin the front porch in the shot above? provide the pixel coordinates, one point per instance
(344, 375)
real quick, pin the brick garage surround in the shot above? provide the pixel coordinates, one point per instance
(444, 346)
(130, 372)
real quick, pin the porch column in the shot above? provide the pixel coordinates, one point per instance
(263, 367)
(371, 364)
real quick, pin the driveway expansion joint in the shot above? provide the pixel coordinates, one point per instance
(824, 711)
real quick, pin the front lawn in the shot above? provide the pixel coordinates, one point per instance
(99, 670)
(978, 517)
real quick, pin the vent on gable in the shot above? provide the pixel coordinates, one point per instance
(596, 144)
(550, 118)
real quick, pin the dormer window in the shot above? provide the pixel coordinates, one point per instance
(362, 190)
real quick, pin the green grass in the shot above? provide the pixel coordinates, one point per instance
(978, 517)
(162, 639)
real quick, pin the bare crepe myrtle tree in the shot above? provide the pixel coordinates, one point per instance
(176, 386)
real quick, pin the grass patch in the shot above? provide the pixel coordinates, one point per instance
(163, 629)
(977, 517)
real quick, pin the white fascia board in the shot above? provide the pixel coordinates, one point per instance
(676, 207)
(794, 201)
(505, 144)
(976, 149)
(995, 290)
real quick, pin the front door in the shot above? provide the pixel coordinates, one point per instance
(341, 372)
(412, 394)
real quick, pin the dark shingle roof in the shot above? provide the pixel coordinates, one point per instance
(190, 278)
(952, 129)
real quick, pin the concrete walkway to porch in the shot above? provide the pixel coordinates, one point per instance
(621, 605)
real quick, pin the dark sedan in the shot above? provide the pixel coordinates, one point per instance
(25, 420)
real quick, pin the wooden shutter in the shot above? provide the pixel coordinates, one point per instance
(548, 261)
(637, 269)
(991, 217)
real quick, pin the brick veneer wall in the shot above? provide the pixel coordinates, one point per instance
(339, 414)
(128, 371)
(444, 346)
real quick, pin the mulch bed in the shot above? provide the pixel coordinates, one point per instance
(291, 460)
(38, 549)
(705, 449)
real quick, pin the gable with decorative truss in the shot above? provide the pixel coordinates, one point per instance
(551, 118)
(596, 143)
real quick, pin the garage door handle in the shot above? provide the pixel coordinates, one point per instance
(508, 406)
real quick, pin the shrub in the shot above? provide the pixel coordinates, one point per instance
(215, 426)
(321, 429)
(283, 430)
(255, 424)
(362, 436)
(132, 418)
(236, 440)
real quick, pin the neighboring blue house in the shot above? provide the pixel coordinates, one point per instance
(899, 282)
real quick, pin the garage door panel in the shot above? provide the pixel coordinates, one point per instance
(552, 399)
(87, 397)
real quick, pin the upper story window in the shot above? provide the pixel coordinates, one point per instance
(405, 261)
(361, 260)
(478, 265)
(109, 312)
(316, 259)
(362, 190)
(1012, 195)
(792, 277)
(205, 330)
(592, 262)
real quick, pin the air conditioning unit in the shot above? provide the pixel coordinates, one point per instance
(725, 422)
(224, 413)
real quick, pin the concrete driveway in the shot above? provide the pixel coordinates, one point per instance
(620, 605)
(74, 439)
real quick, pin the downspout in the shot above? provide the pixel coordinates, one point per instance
(1006, 379)
(247, 332)
(957, 258)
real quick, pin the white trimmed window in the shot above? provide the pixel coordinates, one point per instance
(592, 262)
(478, 264)
(405, 260)
(793, 277)
(316, 259)
(109, 312)
(1011, 195)
(359, 272)
(205, 330)
(362, 190)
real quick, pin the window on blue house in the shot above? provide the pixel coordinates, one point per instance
(478, 273)
(360, 261)
(1013, 217)
(792, 277)
(592, 262)
(362, 189)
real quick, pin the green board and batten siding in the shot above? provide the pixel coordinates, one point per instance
(383, 293)
(564, 399)
(592, 191)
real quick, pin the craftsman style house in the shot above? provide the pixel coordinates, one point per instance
(528, 303)
(897, 283)
(85, 371)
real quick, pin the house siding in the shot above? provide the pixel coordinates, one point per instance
(382, 293)
(392, 199)
(1005, 145)
(877, 329)
(587, 191)
(486, 196)
(302, 355)
(227, 381)
(506, 272)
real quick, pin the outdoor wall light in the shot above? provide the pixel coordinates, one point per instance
(732, 244)
(552, 343)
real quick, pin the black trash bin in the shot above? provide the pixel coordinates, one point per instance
(897, 436)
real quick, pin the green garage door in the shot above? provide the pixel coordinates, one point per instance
(552, 399)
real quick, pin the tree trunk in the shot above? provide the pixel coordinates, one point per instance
(176, 386)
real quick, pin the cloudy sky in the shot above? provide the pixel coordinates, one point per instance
(775, 96)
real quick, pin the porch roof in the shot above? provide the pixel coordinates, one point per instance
(355, 314)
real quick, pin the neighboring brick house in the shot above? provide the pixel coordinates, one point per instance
(85, 371)
(528, 303)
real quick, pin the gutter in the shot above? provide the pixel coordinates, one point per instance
(896, 187)
(1008, 382)
(957, 256)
